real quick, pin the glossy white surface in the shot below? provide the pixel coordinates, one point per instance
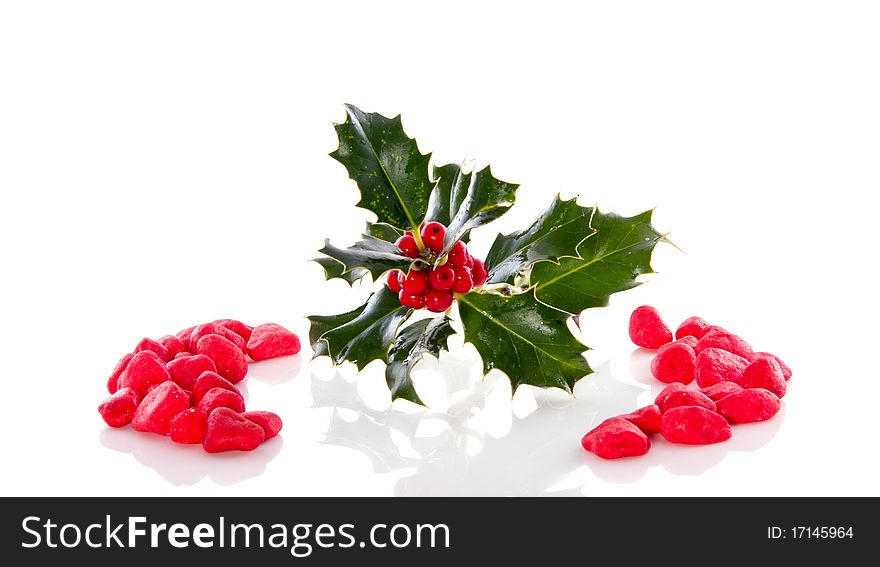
(164, 164)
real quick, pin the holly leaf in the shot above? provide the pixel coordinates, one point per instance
(361, 335)
(320, 324)
(390, 172)
(423, 337)
(558, 232)
(383, 231)
(449, 191)
(609, 261)
(336, 269)
(372, 254)
(526, 339)
(465, 201)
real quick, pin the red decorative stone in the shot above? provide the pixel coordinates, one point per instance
(647, 418)
(186, 369)
(694, 425)
(717, 391)
(748, 406)
(229, 431)
(160, 405)
(647, 329)
(118, 409)
(692, 327)
(228, 358)
(765, 373)
(676, 395)
(270, 422)
(271, 341)
(144, 370)
(616, 438)
(716, 365)
(674, 362)
(188, 427)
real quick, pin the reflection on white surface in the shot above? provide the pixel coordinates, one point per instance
(476, 439)
(275, 370)
(188, 464)
(453, 453)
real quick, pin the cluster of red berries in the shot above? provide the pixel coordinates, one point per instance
(431, 283)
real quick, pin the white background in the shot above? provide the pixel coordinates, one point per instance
(165, 163)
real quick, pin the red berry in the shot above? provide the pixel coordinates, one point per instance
(748, 406)
(442, 278)
(433, 234)
(237, 327)
(470, 262)
(458, 255)
(113, 381)
(721, 390)
(716, 365)
(188, 427)
(393, 280)
(692, 327)
(118, 409)
(144, 370)
(647, 329)
(408, 245)
(764, 373)
(229, 431)
(725, 341)
(479, 273)
(221, 398)
(464, 282)
(271, 341)
(228, 358)
(786, 371)
(647, 418)
(208, 381)
(155, 346)
(693, 425)
(154, 414)
(676, 395)
(415, 282)
(689, 341)
(437, 300)
(615, 438)
(269, 421)
(674, 363)
(186, 369)
(413, 300)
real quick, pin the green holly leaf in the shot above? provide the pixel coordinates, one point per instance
(372, 254)
(361, 335)
(608, 261)
(336, 269)
(427, 336)
(384, 231)
(475, 199)
(526, 339)
(449, 190)
(320, 324)
(557, 233)
(386, 164)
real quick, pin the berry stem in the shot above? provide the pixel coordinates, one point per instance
(418, 238)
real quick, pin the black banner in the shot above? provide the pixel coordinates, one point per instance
(284, 531)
